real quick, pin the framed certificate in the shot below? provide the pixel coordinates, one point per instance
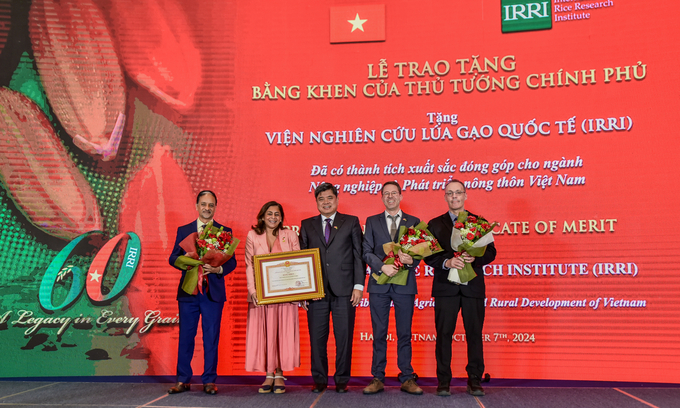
(288, 276)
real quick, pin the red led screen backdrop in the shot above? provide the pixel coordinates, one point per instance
(560, 117)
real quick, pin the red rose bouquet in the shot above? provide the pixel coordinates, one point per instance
(416, 241)
(213, 247)
(470, 234)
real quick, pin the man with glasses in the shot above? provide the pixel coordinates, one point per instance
(450, 297)
(380, 229)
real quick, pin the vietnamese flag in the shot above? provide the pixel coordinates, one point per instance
(358, 23)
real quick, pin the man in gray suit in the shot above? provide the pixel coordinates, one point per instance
(338, 237)
(380, 229)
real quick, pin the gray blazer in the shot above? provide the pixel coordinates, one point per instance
(374, 238)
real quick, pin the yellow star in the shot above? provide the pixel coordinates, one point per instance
(357, 23)
(94, 276)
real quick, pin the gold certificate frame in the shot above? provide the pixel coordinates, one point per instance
(288, 276)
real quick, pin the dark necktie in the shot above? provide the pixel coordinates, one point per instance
(327, 230)
(393, 227)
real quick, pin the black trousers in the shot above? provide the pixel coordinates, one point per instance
(446, 310)
(318, 320)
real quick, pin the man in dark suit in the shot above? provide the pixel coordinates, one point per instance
(207, 305)
(380, 229)
(338, 237)
(450, 298)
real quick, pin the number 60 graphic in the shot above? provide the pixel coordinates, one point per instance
(92, 280)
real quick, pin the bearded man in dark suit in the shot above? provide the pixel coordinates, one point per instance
(450, 297)
(338, 237)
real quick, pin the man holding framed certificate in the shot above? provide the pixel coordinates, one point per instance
(338, 237)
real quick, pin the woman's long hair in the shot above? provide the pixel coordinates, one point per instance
(260, 228)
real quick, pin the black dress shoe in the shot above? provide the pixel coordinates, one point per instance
(179, 387)
(210, 389)
(317, 388)
(474, 387)
(341, 388)
(443, 390)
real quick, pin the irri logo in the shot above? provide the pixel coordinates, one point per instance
(525, 15)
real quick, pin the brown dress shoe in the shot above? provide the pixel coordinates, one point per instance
(474, 387)
(374, 387)
(210, 388)
(179, 387)
(411, 387)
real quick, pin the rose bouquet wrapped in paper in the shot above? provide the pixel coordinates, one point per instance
(212, 247)
(470, 234)
(415, 241)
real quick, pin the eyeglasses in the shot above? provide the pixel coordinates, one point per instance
(390, 194)
(456, 193)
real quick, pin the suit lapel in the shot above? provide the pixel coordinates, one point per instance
(316, 222)
(383, 225)
(284, 241)
(447, 220)
(404, 220)
(261, 241)
(448, 223)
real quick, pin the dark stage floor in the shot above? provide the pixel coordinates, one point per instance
(71, 394)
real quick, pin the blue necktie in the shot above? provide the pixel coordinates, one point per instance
(327, 230)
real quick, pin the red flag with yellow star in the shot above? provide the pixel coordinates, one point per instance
(358, 23)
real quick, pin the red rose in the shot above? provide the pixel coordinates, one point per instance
(473, 229)
(478, 234)
(472, 218)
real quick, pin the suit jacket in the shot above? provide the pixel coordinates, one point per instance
(376, 235)
(341, 262)
(257, 245)
(216, 291)
(442, 227)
